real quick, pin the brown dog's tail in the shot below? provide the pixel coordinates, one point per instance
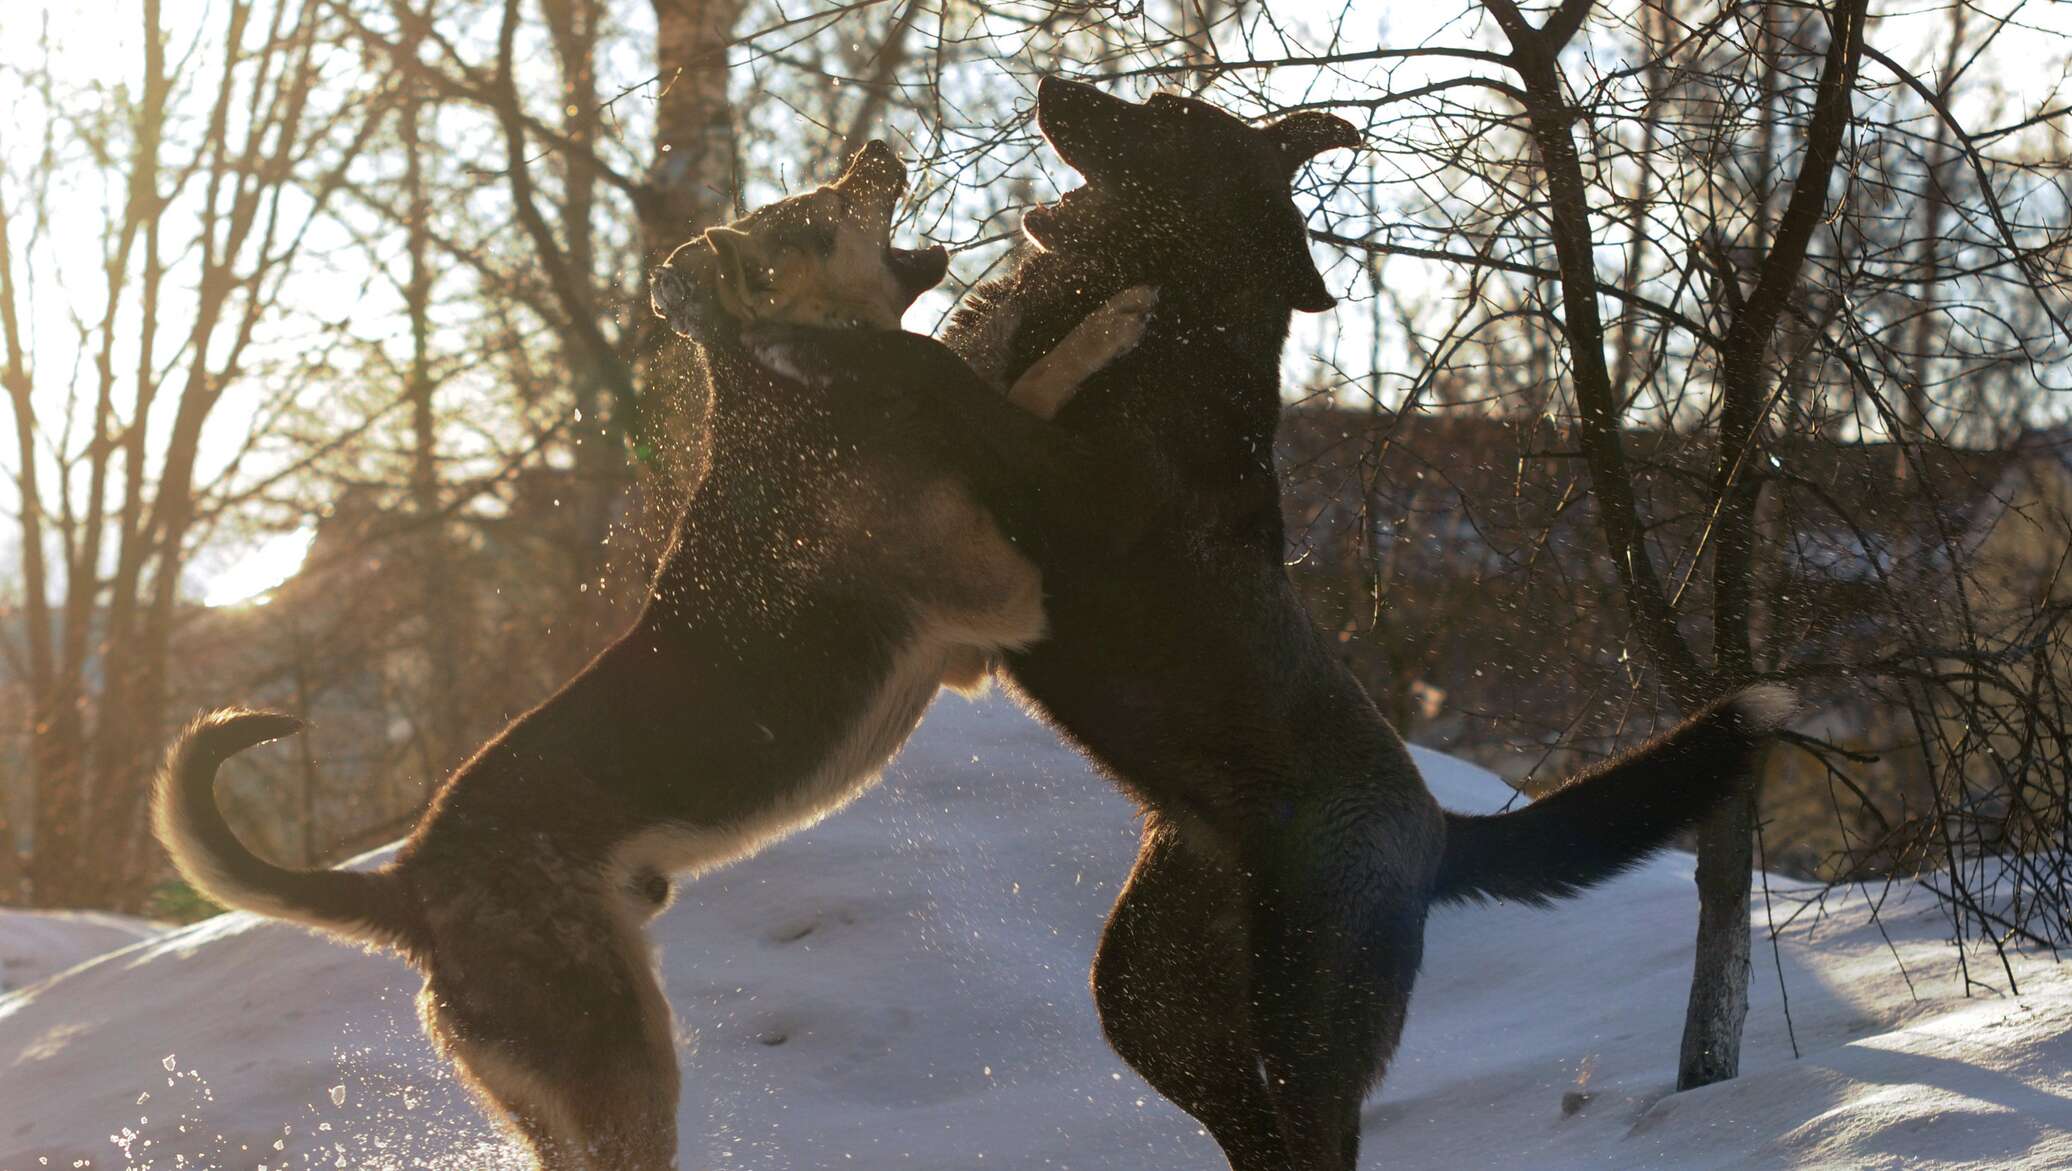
(363, 906)
(1613, 817)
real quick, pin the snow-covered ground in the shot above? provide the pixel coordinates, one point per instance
(905, 986)
(36, 945)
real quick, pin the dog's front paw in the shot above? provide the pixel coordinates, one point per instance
(1135, 302)
(1122, 319)
(1101, 337)
(1128, 313)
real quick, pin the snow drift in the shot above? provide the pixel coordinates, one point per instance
(36, 945)
(905, 986)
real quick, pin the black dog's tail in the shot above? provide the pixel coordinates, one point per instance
(363, 906)
(1612, 817)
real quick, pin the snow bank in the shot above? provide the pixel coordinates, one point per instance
(36, 945)
(905, 986)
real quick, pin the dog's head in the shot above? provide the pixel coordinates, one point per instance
(1184, 188)
(823, 258)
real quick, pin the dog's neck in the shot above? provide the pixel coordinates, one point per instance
(735, 373)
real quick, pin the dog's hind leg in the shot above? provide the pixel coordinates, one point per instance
(554, 1016)
(1338, 915)
(1171, 982)
(582, 1117)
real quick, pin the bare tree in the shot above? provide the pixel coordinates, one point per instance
(1698, 344)
(1769, 267)
(111, 499)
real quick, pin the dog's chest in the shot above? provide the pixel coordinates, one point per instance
(887, 716)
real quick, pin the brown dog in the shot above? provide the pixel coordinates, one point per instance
(837, 559)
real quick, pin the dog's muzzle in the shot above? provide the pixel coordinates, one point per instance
(918, 269)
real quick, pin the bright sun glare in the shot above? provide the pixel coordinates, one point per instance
(271, 561)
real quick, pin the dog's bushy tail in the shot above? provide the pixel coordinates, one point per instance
(1612, 817)
(364, 906)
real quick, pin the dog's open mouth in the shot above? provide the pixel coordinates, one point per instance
(918, 269)
(1069, 214)
(1041, 222)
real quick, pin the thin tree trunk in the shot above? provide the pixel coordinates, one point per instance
(1719, 988)
(877, 92)
(593, 612)
(54, 749)
(1600, 411)
(239, 222)
(1935, 201)
(1718, 1006)
(444, 625)
(1719, 981)
(694, 182)
(1716, 1010)
(694, 170)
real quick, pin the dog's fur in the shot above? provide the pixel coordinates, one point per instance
(1258, 965)
(836, 560)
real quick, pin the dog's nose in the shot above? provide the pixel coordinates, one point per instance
(666, 292)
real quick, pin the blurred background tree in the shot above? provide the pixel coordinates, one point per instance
(1681, 344)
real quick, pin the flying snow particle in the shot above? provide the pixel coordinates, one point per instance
(338, 1095)
(169, 1062)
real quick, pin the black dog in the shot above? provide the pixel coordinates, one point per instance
(1259, 963)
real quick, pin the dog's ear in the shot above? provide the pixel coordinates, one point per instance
(1301, 137)
(1306, 291)
(738, 277)
(1090, 130)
